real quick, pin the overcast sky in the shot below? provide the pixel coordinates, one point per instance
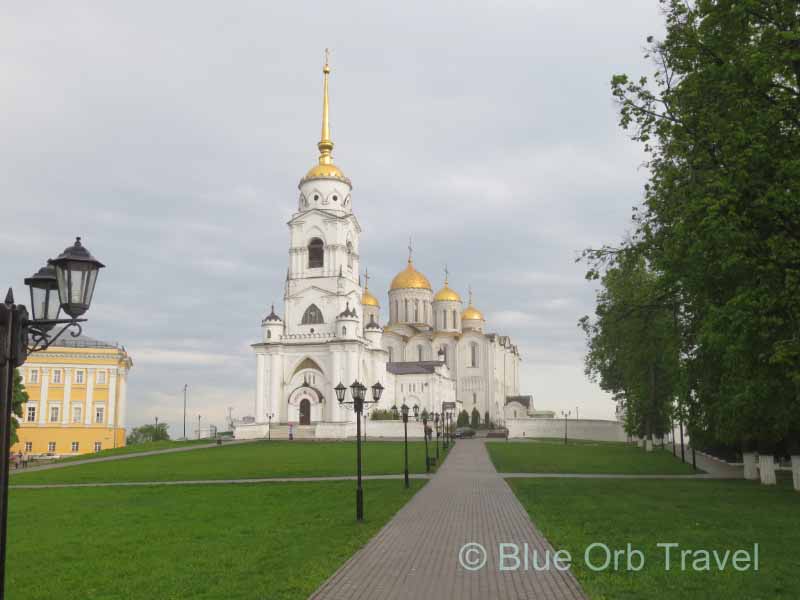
(172, 136)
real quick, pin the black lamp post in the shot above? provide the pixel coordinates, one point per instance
(565, 414)
(358, 392)
(445, 417)
(66, 283)
(438, 434)
(185, 404)
(416, 412)
(395, 412)
(269, 426)
(405, 444)
(425, 435)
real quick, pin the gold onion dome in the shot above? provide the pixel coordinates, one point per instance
(325, 169)
(471, 313)
(446, 294)
(410, 278)
(368, 299)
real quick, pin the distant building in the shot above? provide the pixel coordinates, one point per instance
(77, 402)
(520, 407)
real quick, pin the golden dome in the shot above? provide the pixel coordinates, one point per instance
(325, 168)
(410, 278)
(446, 295)
(367, 299)
(330, 170)
(472, 313)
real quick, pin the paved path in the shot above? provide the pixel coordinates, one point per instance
(416, 555)
(36, 486)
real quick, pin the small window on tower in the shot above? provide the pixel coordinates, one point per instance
(335, 197)
(313, 315)
(316, 253)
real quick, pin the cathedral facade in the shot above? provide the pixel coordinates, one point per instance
(431, 350)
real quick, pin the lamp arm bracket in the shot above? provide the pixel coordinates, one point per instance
(40, 339)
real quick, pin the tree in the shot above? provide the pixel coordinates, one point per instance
(18, 397)
(148, 433)
(475, 420)
(720, 120)
(463, 419)
(634, 344)
(486, 421)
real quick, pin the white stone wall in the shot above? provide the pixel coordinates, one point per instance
(578, 429)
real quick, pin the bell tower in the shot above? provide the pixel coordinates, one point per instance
(322, 280)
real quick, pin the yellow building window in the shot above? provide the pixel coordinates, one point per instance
(51, 446)
(79, 377)
(55, 411)
(101, 378)
(99, 413)
(28, 446)
(31, 416)
(75, 446)
(33, 376)
(77, 412)
(98, 446)
(57, 376)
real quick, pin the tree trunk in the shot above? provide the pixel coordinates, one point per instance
(750, 467)
(766, 469)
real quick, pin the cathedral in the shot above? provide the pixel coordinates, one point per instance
(431, 350)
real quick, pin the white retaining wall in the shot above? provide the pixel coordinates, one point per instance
(577, 429)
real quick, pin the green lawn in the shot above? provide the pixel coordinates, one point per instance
(135, 449)
(242, 461)
(710, 515)
(276, 541)
(553, 456)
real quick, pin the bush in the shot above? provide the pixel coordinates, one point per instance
(380, 414)
(463, 419)
(475, 419)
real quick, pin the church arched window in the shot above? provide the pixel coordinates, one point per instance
(444, 319)
(473, 354)
(349, 254)
(444, 353)
(344, 330)
(391, 354)
(316, 254)
(405, 310)
(312, 316)
(396, 311)
(269, 334)
(420, 352)
(455, 316)
(416, 311)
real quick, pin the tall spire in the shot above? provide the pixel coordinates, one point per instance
(410, 250)
(446, 275)
(470, 295)
(325, 143)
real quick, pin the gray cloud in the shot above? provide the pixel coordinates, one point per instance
(172, 137)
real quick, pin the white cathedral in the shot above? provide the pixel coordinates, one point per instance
(432, 350)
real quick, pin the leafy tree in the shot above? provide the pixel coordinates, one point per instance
(721, 220)
(148, 433)
(18, 398)
(463, 419)
(486, 420)
(634, 344)
(475, 419)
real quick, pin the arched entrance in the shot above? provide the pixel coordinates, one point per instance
(305, 412)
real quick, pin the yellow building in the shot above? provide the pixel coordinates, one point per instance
(77, 392)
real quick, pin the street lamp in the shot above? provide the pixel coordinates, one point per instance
(395, 412)
(438, 434)
(269, 426)
(66, 283)
(185, 404)
(416, 412)
(358, 392)
(565, 414)
(405, 443)
(425, 435)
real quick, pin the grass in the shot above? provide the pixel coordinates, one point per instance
(583, 457)
(711, 515)
(242, 461)
(277, 541)
(135, 449)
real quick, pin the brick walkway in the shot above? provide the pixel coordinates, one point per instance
(416, 554)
